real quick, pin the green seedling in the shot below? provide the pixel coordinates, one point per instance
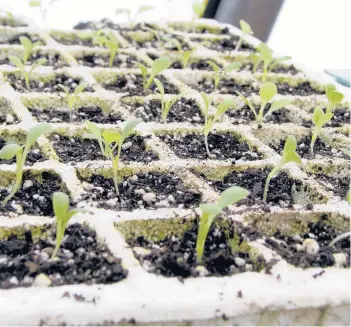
(289, 155)
(60, 204)
(158, 66)
(334, 97)
(184, 55)
(221, 72)
(246, 29)
(266, 57)
(108, 40)
(319, 119)
(166, 105)
(72, 98)
(348, 195)
(27, 74)
(11, 150)
(109, 141)
(210, 121)
(28, 47)
(131, 18)
(198, 11)
(209, 211)
(267, 92)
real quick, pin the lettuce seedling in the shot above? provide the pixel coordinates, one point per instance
(209, 211)
(348, 195)
(289, 155)
(334, 97)
(60, 204)
(210, 121)
(28, 47)
(166, 105)
(184, 55)
(72, 98)
(131, 18)
(267, 92)
(246, 29)
(27, 74)
(220, 73)
(158, 66)
(198, 11)
(108, 40)
(96, 134)
(11, 150)
(319, 119)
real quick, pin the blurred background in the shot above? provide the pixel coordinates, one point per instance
(314, 32)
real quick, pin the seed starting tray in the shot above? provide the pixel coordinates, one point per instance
(281, 293)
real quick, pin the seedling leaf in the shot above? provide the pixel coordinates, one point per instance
(199, 8)
(245, 27)
(9, 151)
(267, 92)
(80, 88)
(232, 195)
(224, 106)
(145, 8)
(276, 105)
(112, 137)
(232, 66)
(64, 88)
(60, 203)
(36, 131)
(129, 127)
(290, 144)
(159, 65)
(214, 66)
(37, 63)
(159, 86)
(17, 62)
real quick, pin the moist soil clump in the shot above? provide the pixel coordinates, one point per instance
(339, 186)
(91, 113)
(17, 82)
(184, 110)
(52, 59)
(279, 192)
(227, 44)
(290, 247)
(73, 150)
(303, 89)
(143, 191)
(98, 60)
(291, 70)
(82, 259)
(76, 41)
(222, 146)
(8, 118)
(226, 252)
(34, 196)
(15, 39)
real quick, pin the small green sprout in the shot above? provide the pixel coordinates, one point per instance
(198, 11)
(267, 92)
(158, 66)
(108, 40)
(319, 119)
(131, 18)
(63, 214)
(348, 195)
(28, 47)
(112, 141)
(72, 98)
(220, 73)
(210, 121)
(21, 152)
(266, 56)
(334, 97)
(166, 105)
(209, 211)
(185, 55)
(246, 29)
(289, 155)
(21, 66)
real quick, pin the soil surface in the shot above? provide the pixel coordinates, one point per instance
(290, 248)
(34, 196)
(79, 150)
(133, 84)
(279, 192)
(226, 252)
(75, 41)
(98, 60)
(302, 89)
(227, 44)
(53, 59)
(150, 190)
(94, 114)
(81, 260)
(7, 118)
(184, 110)
(33, 156)
(17, 82)
(245, 115)
(15, 39)
(278, 69)
(199, 29)
(339, 186)
(222, 146)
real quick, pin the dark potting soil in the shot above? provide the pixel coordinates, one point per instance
(17, 82)
(199, 29)
(149, 190)
(82, 259)
(7, 120)
(222, 146)
(245, 115)
(76, 41)
(226, 86)
(33, 156)
(53, 59)
(226, 252)
(291, 70)
(320, 149)
(98, 60)
(33, 199)
(79, 150)
(320, 232)
(184, 110)
(107, 23)
(91, 113)
(339, 186)
(227, 44)
(279, 192)
(15, 39)
(133, 84)
(302, 89)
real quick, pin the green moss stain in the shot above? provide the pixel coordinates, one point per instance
(38, 232)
